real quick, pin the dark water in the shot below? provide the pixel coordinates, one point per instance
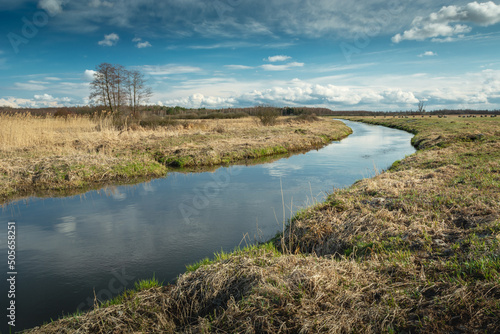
(104, 241)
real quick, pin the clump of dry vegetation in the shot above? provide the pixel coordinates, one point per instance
(55, 154)
(414, 250)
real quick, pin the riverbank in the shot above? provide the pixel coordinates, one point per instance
(60, 156)
(414, 249)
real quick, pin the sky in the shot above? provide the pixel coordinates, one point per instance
(343, 55)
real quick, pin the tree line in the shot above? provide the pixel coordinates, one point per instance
(115, 87)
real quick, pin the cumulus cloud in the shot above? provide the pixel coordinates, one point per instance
(144, 44)
(109, 40)
(9, 102)
(300, 92)
(44, 97)
(278, 58)
(399, 96)
(53, 7)
(89, 75)
(284, 67)
(140, 44)
(428, 54)
(312, 93)
(445, 24)
(38, 101)
(200, 101)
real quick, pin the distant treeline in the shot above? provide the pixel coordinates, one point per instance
(175, 112)
(414, 113)
(204, 113)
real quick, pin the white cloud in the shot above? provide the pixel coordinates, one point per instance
(399, 96)
(199, 101)
(238, 67)
(144, 44)
(53, 7)
(298, 92)
(442, 23)
(38, 101)
(168, 69)
(52, 78)
(475, 90)
(29, 86)
(271, 67)
(109, 40)
(44, 97)
(99, 3)
(240, 20)
(278, 58)
(9, 102)
(88, 75)
(36, 82)
(140, 43)
(428, 54)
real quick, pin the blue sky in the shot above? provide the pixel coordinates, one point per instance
(343, 55)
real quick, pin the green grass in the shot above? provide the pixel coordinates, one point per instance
(256, 251)
(141, 285)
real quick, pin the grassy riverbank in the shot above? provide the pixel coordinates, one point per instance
(415, 249)
(55, 155)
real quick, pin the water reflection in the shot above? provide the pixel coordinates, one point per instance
(104, 240)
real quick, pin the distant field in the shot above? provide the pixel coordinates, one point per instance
(57, 155)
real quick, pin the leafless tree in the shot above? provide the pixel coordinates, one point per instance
(421, 105)
(114, 86)
(138, 91)
(108, 86)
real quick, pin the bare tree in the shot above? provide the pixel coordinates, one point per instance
(120, 93)
(138, 91)
(101, 86)
(109, 86)
(420, 106)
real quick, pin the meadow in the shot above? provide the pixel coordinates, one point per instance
(416, 249)
(49, 155)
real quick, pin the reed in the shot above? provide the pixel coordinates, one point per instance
(47, 154)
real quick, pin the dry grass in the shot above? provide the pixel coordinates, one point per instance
(50, 154)
(261, 292)
(414, 250)
(21, 131)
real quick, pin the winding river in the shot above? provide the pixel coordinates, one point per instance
(103, 241)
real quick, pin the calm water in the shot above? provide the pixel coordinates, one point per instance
(105, 240)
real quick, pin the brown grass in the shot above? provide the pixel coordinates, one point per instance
(414, 250)
(51, 154)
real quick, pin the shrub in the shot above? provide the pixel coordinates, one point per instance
(267, 115)
(62, 113)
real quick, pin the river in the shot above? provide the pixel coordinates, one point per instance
(103, 241)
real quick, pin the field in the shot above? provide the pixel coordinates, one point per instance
(47, 155)
(415, 249)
